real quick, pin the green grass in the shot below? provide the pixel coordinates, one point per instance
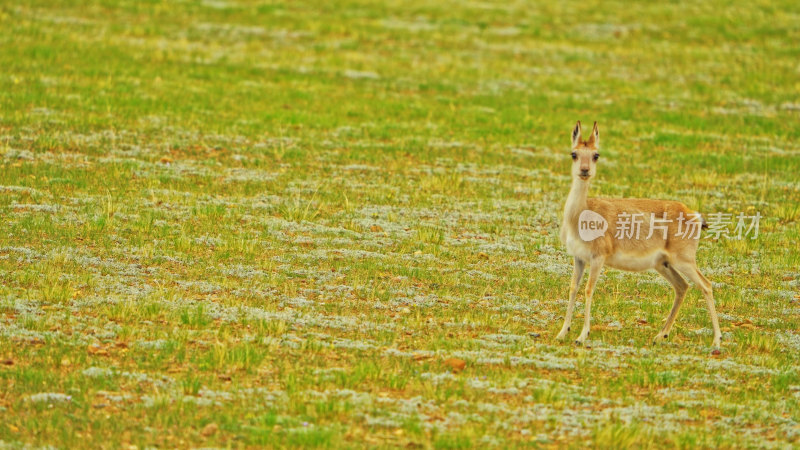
(243, 224)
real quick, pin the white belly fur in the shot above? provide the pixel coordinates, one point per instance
(634, 262)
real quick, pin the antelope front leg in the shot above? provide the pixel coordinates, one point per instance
(577, 274)
(596, 265)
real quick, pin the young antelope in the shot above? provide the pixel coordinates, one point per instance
(628, 234)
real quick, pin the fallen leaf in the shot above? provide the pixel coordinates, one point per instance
(210, 429)
(456, 364)
(746, 324)
(7, 362)
(95, 349)
(165, 160)
(375, 228)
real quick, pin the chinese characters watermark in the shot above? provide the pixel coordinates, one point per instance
(592, 225)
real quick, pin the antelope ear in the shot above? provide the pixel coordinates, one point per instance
(594, 139)
(576, 134)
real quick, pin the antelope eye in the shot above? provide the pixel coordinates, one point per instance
(574, 155)
(596, 156)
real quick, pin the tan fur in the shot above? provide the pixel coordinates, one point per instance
(671, 256)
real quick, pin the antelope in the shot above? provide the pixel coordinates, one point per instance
(588, 233)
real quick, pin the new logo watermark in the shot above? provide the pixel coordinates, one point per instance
(592, 225)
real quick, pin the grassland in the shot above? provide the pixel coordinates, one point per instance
(241, 224)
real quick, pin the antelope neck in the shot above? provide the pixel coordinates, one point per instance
(576, 200)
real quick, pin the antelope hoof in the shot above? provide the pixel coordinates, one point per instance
(580, 343)
(562, 334)
(660, 337)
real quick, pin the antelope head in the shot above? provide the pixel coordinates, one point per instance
(585, 153)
